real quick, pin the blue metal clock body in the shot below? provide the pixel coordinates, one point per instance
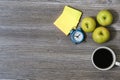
(77, 36)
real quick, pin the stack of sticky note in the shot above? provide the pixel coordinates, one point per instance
(68, 20)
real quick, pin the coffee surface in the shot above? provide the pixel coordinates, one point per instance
(103, 58)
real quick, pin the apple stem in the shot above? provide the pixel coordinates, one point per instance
(86, 25)
(104, 17)
(101, 33)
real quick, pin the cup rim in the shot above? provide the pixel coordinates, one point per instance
(113, 54)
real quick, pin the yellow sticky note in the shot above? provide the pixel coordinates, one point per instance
(68, 20)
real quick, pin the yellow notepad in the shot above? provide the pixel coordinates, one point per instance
(68, 20)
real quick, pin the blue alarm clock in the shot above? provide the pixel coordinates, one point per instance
(77, 36)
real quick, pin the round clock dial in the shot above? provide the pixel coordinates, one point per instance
(77, 36)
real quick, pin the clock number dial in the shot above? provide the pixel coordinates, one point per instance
(77, 36)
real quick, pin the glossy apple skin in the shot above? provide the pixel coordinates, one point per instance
(104, 18)
(88, 24)
(101, 35)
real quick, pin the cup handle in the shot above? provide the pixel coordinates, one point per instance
(117, 63)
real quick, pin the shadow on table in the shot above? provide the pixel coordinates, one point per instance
(113, 32)
(115, 19)
(116, 50)
(115, 15)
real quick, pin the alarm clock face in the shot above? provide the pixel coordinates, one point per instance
(78, 36)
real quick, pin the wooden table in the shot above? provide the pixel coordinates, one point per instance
(32, 48)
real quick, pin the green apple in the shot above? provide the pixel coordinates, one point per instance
(101, 35)
(104, 18)
(88, 24)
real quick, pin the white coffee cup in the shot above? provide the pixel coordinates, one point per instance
(103, 58)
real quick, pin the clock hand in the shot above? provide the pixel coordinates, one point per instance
(77, 35)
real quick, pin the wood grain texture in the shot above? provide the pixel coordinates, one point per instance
(32, 48)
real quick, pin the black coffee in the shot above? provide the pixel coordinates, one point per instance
(103, 58)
